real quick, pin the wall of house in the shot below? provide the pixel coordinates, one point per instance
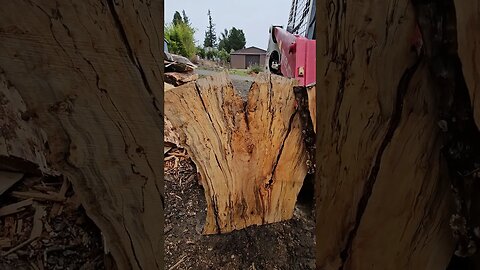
(263, 58)
(237, 61)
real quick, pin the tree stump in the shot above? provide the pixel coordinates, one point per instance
(250, 155)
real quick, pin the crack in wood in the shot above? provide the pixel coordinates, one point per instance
(132, 56)
(437, 22)
(369, 184)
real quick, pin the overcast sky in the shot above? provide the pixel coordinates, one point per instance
(253, 17)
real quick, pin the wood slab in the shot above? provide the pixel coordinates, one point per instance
(90, 73)
(251, 156)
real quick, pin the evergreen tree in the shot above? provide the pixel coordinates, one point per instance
(177, 18)
(236, 39)
(232, 40)
(185, 18)
(180, 36)
(210, 36)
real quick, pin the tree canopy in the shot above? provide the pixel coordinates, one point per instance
(180, 36)
(232, 40)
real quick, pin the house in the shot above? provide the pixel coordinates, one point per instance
(245, 58)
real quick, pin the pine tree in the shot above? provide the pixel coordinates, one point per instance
(177, 18)
(210, 36)
(185, 18)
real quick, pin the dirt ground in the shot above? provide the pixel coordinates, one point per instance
(282, 246)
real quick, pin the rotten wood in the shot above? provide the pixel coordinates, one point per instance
(250, 155)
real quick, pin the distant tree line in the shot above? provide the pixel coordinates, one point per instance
(180, 37)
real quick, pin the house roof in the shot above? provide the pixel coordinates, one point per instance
(249, 50)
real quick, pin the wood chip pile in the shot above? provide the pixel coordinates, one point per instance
(43, 226)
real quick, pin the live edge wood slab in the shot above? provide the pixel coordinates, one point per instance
(250, 155)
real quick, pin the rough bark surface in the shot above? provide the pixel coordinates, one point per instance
(251, 156)
(384, 199)
(89, 74)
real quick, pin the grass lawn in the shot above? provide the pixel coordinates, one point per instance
(242, 72)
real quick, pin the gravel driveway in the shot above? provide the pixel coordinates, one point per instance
(241, 83)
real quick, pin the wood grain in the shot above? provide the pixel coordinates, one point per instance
(91, 72)
(250, 155)
(383, 197)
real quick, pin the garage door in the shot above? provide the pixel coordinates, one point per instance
(252, 60)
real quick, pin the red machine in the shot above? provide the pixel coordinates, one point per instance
(296, 55)
(292, 51)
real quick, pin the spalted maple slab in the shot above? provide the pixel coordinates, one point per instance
(90, 75)
(250, 155)
(383, 199)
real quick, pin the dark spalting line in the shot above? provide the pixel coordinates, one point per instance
(339, 100)
(214, 200)
(130, 238)
(370, 182)
(131, 54)
(290, 123)
(270, 107)
(213, 127)
(215, 212)
(245, 114)
(132, 57)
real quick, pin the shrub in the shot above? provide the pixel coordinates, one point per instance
(180, 39)
(255, 69)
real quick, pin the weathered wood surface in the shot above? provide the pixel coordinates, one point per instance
(22, 143)
(90, 75)
(383, 199)
(177, 78)
(312, 105)
(250, 156)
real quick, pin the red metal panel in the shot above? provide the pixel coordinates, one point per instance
(298, 56)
